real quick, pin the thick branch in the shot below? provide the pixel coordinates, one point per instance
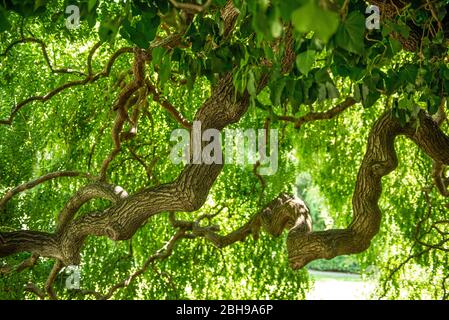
(380, 159)
(95, 190)
(284, 212)
(440, 181)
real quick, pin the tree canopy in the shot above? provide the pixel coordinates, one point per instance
(91, 91)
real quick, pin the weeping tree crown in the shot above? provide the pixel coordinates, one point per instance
(91, 90)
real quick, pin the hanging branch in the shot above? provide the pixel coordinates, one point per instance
(44, 53)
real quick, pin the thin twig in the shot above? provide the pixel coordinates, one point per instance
(44, 53)
(161, 254)
(89, 79)
(31, 184)
(315, 116)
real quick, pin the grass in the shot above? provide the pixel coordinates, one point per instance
(339, 286)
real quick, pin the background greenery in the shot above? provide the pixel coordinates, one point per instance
(318, 162)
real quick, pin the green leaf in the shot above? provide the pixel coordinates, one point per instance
(391, 82)
(220, 3)
(433, 104)
(305, 61)
(357, 93)
(404, 103)
(369, 97)
(403, 29)
(408, 74)
(240, 81)
(276, 29)
(157, 54)
(276, 92)
(351, 33)
(310, 17)
(4, 23)
(322, 76)
(91, 4)
(148, 26)
(251, 85)
(322, 92)
(108, 29)
(131, 34)
(286, 7)
(165, 69)
(332, 91)
(294, 89)
(395, 46)
(444, 72)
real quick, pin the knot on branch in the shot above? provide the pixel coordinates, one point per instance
(382, 168)
(286, 212)
(70, 251)
(114, 231)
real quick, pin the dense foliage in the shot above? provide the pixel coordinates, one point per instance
(336, 57)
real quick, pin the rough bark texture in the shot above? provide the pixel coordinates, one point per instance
(380, 159)
(189, 191)
(119, 222)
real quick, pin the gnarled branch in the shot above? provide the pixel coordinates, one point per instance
(88, 79)
(380, 159)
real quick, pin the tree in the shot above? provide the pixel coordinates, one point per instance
(140, 69)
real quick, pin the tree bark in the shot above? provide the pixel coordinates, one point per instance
(380, 159)
(120, 221)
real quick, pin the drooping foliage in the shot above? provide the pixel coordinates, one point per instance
(342, 73)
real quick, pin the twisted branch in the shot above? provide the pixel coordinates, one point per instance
(88, 79)
(380, 159)
(167, 105)
(123, 103)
